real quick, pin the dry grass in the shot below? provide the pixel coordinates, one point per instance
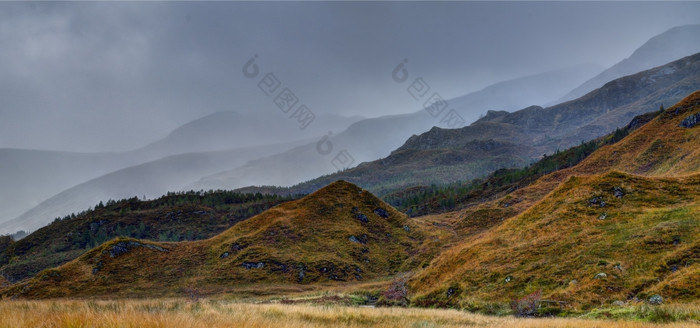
(212, 314)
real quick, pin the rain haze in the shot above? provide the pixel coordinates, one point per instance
(110, 100)
(118, 76)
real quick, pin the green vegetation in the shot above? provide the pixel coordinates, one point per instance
(421, 200)
(340, 233)
(173, 217)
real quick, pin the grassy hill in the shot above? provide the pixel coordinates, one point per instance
(630, 211)
(339, 233)
(174, 217)
(643, 242)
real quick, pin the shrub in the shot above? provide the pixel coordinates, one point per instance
(397, 294)
(526, 306)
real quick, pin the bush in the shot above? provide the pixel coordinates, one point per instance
(397, 294)
(526, 306)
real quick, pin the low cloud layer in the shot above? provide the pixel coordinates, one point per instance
(115, 76)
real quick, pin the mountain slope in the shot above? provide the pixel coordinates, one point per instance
(659, 148)
(27, 177)
(229, 129)
(340, 233)
(506, 140)
(511, 95)
(675, 43)
(576, 223)
(576, 250)
(151, 179)
(374, 138)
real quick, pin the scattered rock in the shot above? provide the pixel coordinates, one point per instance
(601, 275)
(618, 192)
(674, 268)
(199, 212)
(359, 215)
(603, 216)
(508, 279)
(597, 200)
(573, 282)
(123, 247)
(656, 299)
(362, 239)
(690, 121)
(362, 217)
(224, 255)
(618, 267)
(450, 292)
(237, 247)
(253, 265)
(381, 212)
(619, 303)
(407, 228)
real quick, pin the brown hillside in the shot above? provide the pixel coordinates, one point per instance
(555, 230)
(339, 233)
(641, 233)
(659, 148)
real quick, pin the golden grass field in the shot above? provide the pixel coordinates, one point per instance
(212, 314)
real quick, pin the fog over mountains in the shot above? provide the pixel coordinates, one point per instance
(114, 100)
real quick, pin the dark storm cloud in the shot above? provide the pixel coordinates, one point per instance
(105, 76)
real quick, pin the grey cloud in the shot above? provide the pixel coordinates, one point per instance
(114, 76)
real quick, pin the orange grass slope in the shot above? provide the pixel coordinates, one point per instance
(339, 233)
(592, 241)
(659, 148)
(646, 241)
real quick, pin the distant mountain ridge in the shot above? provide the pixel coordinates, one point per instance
(503, 140)
(374, 138)
(673, 44)
(151, 179)
(30, 178)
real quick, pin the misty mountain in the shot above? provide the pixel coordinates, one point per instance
(511, 95)
(35, 179)
(374, 138)
(506, 140)
(229, 129)
(673, 44)
(151, 179)
(29, 177)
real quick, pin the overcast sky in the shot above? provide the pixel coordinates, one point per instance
(115, 76)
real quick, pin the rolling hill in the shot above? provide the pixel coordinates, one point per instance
(592, 241)
(174, 217)
(339, 233)
(621, 225)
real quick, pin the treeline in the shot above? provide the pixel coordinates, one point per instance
(424, 200)
(177, 216)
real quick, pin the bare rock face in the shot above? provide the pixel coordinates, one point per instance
(690, 121)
